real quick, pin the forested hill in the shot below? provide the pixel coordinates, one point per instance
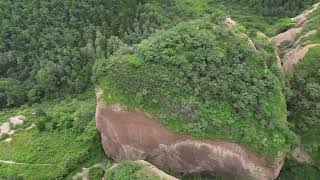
(283, 8)
(207, 69)
(48, 47)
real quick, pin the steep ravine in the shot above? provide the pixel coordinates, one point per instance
(129, 134)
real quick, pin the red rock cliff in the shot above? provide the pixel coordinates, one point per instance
(129, 134)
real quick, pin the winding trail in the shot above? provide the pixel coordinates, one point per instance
(29, 164)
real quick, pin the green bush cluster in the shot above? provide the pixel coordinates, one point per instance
(294, 170)
(283, 8)
(129, 170)
(304, 102)
(11, 93)
(74, 116)
(202, 79)
(49, 46)
(65, 136)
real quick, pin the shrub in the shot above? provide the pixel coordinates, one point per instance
(11, 93)
(125, 170)
(82, 119)
(297, 171)
(41, 124)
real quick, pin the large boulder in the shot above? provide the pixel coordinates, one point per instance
(213, 98)
(129, 134)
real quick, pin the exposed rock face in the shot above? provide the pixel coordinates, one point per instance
(17, 120)
(230, 23)
(303, 17)
(294, 55)
(288, 36)
(290, 43)
(129, 134)
(301, 156)
(5, 128)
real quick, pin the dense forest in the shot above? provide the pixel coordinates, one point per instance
(175, 59)
(283, 8)
(48, 48)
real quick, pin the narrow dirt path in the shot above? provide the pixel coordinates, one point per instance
(29, 164)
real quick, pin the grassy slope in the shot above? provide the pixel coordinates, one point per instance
(162, 77)
(63, 147)
(32, 147)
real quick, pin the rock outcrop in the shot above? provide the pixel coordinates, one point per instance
(294, 55)
(290, 43)
(149, 171)
(129, 134)
(230, 23)
(301, 156)
(303, 17)
(294, 45)
(6, 128)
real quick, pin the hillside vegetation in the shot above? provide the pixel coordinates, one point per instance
(304, 81)
(276, 7)
(48, 47)
(57, 42)
(205, 87)
(175, 59)
(63, 140)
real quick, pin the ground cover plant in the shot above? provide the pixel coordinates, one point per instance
(64, 138)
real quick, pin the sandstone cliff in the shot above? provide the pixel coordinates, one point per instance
(290, 43)
(129, 134)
